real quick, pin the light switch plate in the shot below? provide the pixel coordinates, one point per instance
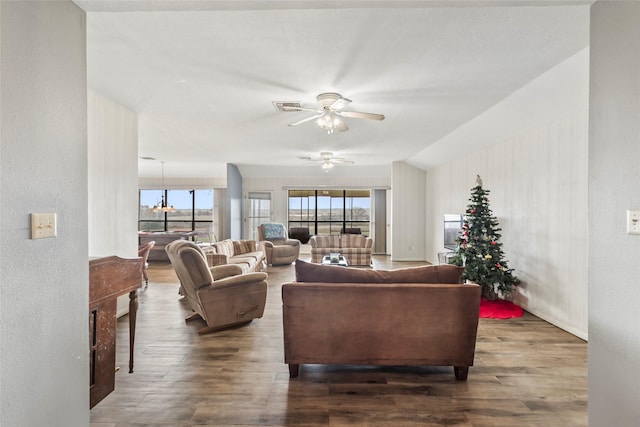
(633, 221)
(43, 225)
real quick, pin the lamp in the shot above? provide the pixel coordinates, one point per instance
(163, 206)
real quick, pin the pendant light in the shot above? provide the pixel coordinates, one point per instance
(163, 205)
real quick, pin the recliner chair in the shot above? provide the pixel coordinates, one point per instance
(279, 249)
(221, 295)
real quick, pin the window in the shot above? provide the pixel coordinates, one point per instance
(193, 212)
(147, 219)
(182, 218)
(203, 215)
(330, 211)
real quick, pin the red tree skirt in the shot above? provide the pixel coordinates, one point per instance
(499, 309)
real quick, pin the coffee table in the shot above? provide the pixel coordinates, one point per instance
(342, 262)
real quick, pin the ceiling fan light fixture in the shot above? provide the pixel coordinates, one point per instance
(326, 166)
(329, 121)
(327, 161)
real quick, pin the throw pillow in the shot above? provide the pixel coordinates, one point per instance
(243, 246)
(307, 272)
(273, 231)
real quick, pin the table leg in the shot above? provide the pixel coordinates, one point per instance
(133, 311)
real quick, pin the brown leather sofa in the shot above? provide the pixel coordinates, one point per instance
(408, 317)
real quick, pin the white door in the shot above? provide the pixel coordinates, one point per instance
(259, 211)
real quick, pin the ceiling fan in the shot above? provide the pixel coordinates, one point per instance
(327, 161)
(329, 117)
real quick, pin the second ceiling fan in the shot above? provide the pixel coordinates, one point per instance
(329, 117)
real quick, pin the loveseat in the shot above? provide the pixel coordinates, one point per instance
(413, 316)
(240, 252)
(356, 248)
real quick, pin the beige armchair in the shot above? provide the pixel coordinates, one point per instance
(279, 249)
(222, 295)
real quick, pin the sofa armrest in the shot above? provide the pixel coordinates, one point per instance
(291, 242)
(368, 243)
(216, 259)
(241, 279)
(223, 271)
(266, 244)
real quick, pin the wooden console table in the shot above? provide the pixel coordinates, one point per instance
(109, 277)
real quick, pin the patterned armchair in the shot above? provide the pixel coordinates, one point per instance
(279, 249)
(356, 248)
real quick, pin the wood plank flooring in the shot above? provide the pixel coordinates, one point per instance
(526, 373)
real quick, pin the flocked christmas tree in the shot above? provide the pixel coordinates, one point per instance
(479, 250)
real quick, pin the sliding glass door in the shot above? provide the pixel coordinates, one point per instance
(330, 211)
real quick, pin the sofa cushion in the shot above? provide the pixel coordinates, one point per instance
(225, 247)
(354, 241)
(307, 272)
(244, 246)
(330, 241)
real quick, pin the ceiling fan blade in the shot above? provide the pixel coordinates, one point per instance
(359, 115)
(287, 108)
(326, 160)
(308, 119)
(342, 126)
(340, 103)
(341, 160)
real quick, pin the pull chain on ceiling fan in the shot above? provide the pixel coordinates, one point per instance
(330, 116)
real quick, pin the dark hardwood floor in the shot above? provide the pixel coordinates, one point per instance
(526, 373)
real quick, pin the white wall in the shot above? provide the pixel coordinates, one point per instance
(538, 185)
(112, 156)
(538, 192)
(614, 187)
(113, 178)
(408, 212)
(44, 364)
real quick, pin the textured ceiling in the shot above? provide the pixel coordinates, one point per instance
(202, 75)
